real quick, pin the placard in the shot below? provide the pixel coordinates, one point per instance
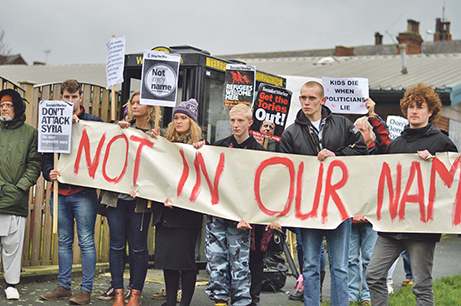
(239, 85)
(115, 61)
(159, 79)
(346, 95)
(55, 126)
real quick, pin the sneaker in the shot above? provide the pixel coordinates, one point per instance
(60, 293)
(108, 294)
(390, 288)
(128, 293)
(220, 303)
(11, 293)
(83, 297)
(179, 296)
(161, 295)
(297, 296)
(407, 282)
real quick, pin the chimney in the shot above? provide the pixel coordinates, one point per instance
(378, 39)
(411, 38)
(403, 55)
(442, 30)
(344, 51)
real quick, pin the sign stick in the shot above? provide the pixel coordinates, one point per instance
(55, 198)
(112, 104)
(157, 120)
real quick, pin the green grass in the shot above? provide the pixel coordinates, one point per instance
(447, 292)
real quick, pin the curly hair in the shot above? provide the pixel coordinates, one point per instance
(418, 94)
(150, 109)
(193, 135)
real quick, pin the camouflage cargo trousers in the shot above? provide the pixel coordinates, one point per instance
(227, 251)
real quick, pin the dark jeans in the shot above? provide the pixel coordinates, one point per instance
(126, 225)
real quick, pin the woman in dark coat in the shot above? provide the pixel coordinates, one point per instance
(422, 106)
(177, 229)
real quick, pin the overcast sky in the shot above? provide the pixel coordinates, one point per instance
(76, 32)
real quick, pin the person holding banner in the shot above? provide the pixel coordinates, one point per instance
(227, 243)
(75, 203)
(421, 105)
(177, 229)
(318, 132)
(129, 218)
(19, 170)
(363, 237)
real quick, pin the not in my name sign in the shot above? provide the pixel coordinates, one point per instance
(55, 126)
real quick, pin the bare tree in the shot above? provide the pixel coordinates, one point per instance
(4, 48)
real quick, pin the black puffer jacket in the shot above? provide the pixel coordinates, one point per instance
(410, 141)
(339, 136)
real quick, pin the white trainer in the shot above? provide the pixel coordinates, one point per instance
(12, 293)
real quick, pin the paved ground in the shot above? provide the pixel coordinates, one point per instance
(446, 264)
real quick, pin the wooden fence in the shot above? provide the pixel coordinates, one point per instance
(40, 244)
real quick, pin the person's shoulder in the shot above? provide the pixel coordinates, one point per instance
(222, 142)
(90, 117)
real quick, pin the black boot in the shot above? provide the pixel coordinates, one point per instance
(256, 280)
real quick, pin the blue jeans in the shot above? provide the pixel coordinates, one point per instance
(299, 248)
(80, 207)
(407, 265)
(338, 251)
(127, 225)
(363, 240)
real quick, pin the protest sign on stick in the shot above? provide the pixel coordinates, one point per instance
(239, 85)
(159, 78)
(270, 111)
(346, 95)
(114, 66)
(55, 136)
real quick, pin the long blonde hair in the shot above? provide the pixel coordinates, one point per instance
(150, 109)
(193, 135)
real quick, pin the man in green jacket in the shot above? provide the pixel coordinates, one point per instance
(20, 166)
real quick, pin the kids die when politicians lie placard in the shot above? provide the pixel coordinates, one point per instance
(346, 95)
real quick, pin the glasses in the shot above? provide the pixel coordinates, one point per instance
(7, 105)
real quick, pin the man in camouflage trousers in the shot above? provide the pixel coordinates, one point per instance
(227, 244)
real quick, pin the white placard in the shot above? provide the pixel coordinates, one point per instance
(159, 79)
(55, 126)
(115, 60)
(346, 95)
(396, 124)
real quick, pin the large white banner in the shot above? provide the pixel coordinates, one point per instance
(395, 192)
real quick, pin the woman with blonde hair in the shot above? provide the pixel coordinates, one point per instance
(129, 217)
(177, 229)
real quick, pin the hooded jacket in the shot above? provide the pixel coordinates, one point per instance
(410, 141)
(339, 135)
(19, 160)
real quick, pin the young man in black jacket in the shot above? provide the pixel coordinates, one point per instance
(227, 244)
(74, 203)
(318, 132)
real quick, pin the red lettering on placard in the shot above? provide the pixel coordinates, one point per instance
(299, 187)
(330, 190)
(415, 168)
(184, 175)
(257, 184)
(386, 177)
(447, 178)
(106, 157)
(85, 145)
(199, 163)
(142, 143)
